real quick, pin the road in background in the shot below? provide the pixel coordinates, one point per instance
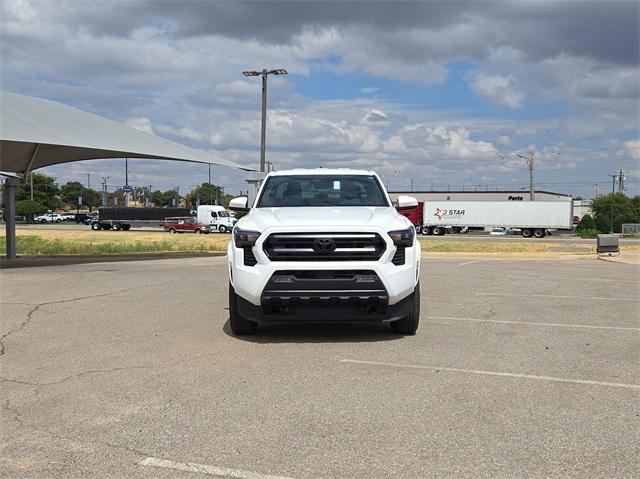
(557, 237)
(519, 368)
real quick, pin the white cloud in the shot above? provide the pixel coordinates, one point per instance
(631, 149)
(140, 123)
(500, 90)
(376, 116)
(503, 140)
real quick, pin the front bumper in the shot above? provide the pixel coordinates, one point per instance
(249, 282)
(327, 311)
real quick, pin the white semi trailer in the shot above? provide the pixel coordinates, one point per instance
(532, 218)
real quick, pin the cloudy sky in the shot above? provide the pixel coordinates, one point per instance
(441, 93)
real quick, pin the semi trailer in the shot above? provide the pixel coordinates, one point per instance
(531, 218)
(117, 219)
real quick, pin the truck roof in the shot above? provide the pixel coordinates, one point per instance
(321, 171)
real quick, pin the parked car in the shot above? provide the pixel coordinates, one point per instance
(185, 224)
(49, 218)
(498, 232)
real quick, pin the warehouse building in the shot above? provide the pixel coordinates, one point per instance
(461, 195)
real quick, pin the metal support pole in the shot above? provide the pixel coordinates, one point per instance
(126, 181)
(10, 214)
(263, 134)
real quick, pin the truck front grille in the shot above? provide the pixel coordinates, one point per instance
(308, 247)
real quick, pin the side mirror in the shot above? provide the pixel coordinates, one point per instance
(405, 203)
(241, 203)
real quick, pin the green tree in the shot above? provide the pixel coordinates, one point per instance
(70, 191)
(620, 206)
(29, 208)
(210, 194)
(163, 198)
(45, 191)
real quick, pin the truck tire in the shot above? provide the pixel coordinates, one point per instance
(115, 227)
(105, 227)
(426, 230)
(526, 233)
(197, 231)
(437, 231)
(239, 325)
(222, 229)
(95, 226)
(539, 233)
(125, 227)
(172, 230)
(409, 324)
(418, 230)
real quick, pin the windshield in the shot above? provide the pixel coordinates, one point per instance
(322, 190)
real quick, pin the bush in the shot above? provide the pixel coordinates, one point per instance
(587, 232)
(586, 223)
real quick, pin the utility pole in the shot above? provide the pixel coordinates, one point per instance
(88, 181)
(104, 190)
(177, 196)
(613, 192)
(209, 173)
(411, 184)
(595, 186)
(531, 163)
(620, 182)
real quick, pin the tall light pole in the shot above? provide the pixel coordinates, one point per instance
(263, 135)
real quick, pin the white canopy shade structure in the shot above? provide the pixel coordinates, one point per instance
(35, 133)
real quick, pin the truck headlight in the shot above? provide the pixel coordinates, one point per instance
(244, 238)
(403, 237)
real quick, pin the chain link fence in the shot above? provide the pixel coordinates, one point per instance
(631, 230)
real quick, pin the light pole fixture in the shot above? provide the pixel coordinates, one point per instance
(264, 73)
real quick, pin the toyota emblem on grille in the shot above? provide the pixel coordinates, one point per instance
(324, 245)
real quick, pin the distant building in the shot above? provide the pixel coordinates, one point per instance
(517, 195)
(581, 208)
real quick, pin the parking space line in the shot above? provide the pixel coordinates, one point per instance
(495, 373)
(558, 296)
(527, 323)
(477, 261)
(207, 469)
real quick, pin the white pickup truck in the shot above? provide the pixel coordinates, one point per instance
(323, 245)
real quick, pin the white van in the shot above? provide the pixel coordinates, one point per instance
(217, 217)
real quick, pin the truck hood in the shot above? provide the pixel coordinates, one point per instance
(387, 218)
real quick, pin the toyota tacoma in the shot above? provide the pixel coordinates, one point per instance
(323, 245)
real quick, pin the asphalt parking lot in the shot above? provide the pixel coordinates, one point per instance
(520, 369)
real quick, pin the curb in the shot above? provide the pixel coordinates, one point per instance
(24, 261)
